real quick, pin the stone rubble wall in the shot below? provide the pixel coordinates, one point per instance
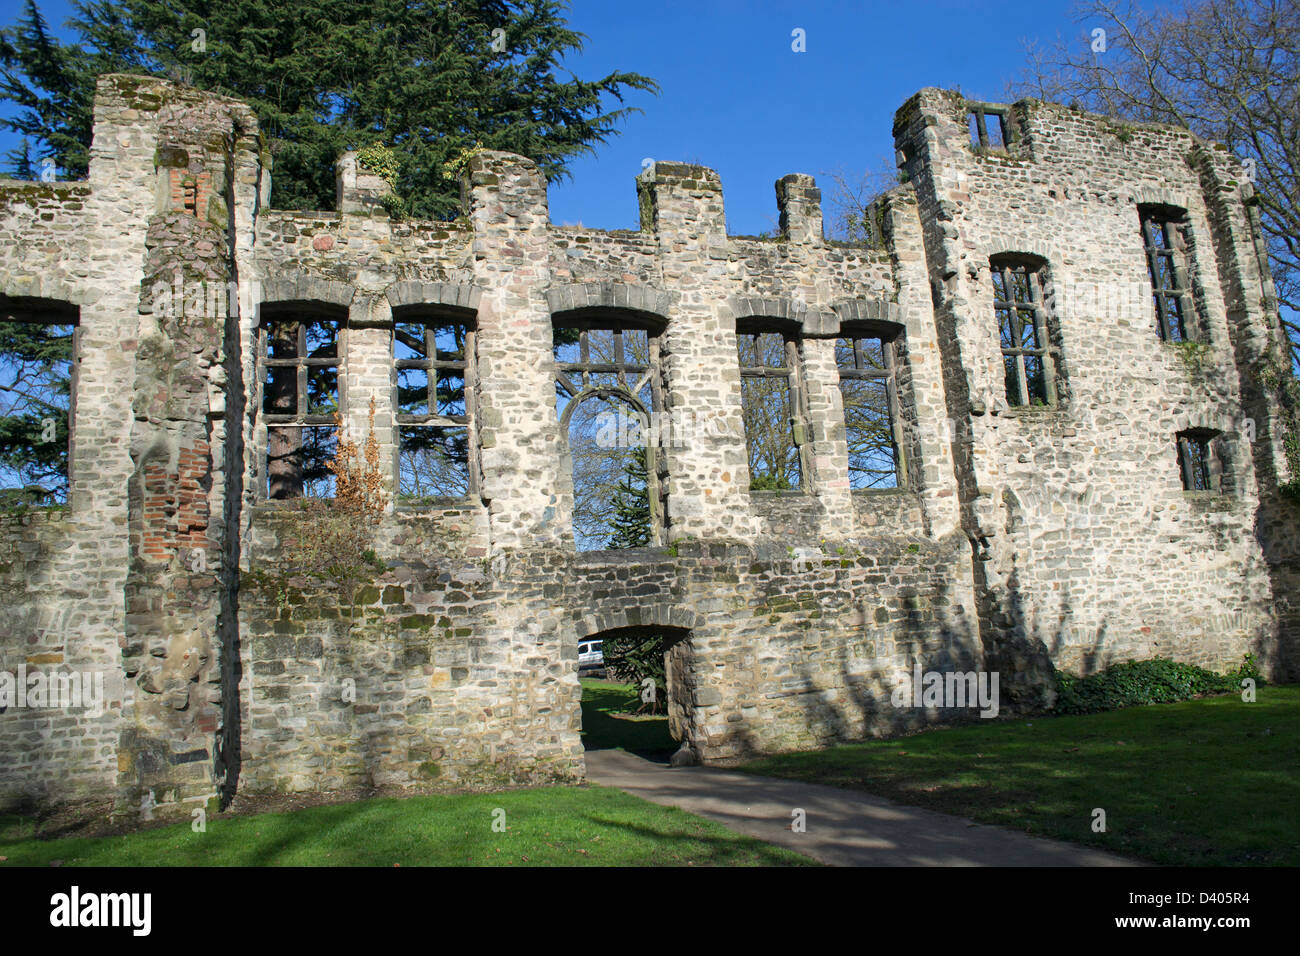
(1020, 540)
(1092, 552)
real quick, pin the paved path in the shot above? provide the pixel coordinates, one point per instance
(844, 827)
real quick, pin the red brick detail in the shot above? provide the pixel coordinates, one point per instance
(190, 192)
(175, 508)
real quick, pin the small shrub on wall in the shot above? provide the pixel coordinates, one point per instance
(333, 541)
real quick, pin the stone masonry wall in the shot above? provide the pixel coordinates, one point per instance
(1018, 540)
(1090, 551)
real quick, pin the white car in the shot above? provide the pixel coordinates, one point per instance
(590, 654)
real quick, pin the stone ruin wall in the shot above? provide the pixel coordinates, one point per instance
(1021, 537)
(1091, 541)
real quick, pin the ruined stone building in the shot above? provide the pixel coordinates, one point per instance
(1070, 322)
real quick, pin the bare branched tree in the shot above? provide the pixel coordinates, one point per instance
(1229, 70)
(850, 198)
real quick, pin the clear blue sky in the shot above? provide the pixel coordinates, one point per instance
(737, 98)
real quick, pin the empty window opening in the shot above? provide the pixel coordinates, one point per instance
(868, 388)
(987, 127)
(1164, 237)
(1197, 461)
(608, 395)
(1028, 356)
(435, 408)
(300, 401)
(38, 370)
(771, 405)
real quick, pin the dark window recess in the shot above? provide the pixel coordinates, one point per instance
(1196, 461)
(988, 127)
(435, 408)
(300, 402)
(1165, 240)
(872, 426)
(772, 406)
(1028, 356)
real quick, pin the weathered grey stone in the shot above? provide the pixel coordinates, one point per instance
(1022, 539)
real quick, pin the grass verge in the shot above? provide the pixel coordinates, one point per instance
(1208, 782)
(548, 826)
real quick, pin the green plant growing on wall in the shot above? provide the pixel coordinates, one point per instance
(380, 160)
(397, 208)
(1195, 355)
(1153, 681)
(1121, 131)
(455, 167)
(1286, 389)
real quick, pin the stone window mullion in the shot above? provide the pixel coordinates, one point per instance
(463, 477)
(1019, 306)
(860, 370)
(577, 379)
(895, 406)
(1197, 461)
(1042, 336)
(1164, 239)
(794, 415)
(291, 432)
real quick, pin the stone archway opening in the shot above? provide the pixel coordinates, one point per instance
(643, 701)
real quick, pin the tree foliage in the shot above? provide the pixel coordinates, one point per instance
(428, 79)
(35, 395)
(630, 523)
(632, 655)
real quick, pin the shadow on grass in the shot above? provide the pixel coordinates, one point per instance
(1203, 782)
(550, 826)
(646, 736)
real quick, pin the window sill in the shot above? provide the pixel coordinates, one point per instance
(1034, 411)
(289, 504)
(650, 554)
(880, 492)
(425, 505)
(1203, 501)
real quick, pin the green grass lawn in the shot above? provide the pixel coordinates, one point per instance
(1203, 782)
(601, 730)
(549, 826)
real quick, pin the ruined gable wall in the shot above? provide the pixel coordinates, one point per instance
(797, 614)
(1091, 549)
(63, 608)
